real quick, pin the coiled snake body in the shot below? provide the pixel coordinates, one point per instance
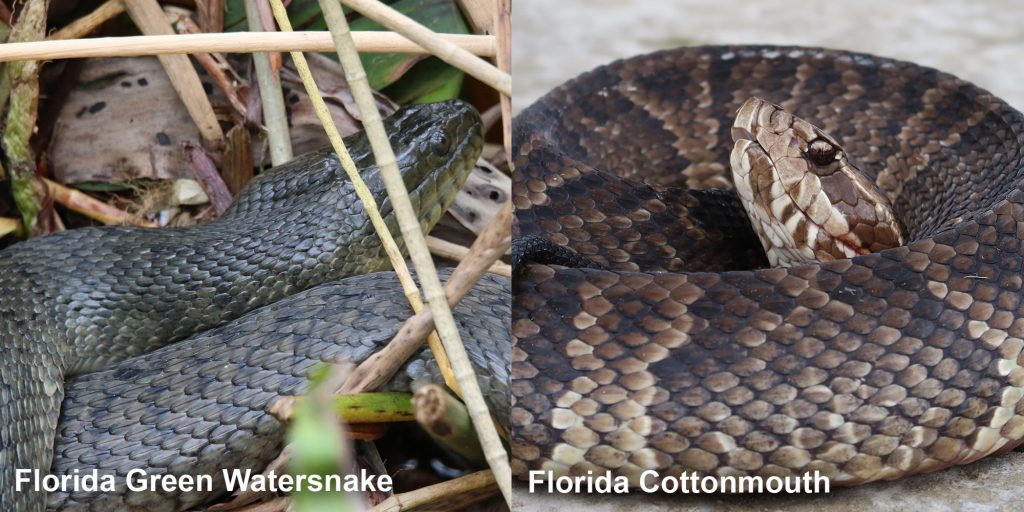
(101, 298)
(677, 350)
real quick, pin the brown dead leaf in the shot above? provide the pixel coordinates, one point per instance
(485, 191)
(306, 132)
(121, 123)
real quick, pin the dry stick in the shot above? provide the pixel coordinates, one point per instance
(90, 207)
(414, 240)
(441, 49)
(267, 19)
(456, 252)
(214, 64)
(468, 489)
(150, 19)
(490, 244)
(208, 176)
(234, 42)
(503, 31)
(275, 117)
(86, 24)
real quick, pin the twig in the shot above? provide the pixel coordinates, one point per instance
(409, 224)
(490, 245)
(444, 50)
(233, 42)
(86, 24)
(150, 19)
(466, 490)
(94, 209)
(208, 177)
(274, 115)
(456, 252)
(214, 64)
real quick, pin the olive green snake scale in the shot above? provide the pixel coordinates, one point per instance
(236, 306)
(649, 332)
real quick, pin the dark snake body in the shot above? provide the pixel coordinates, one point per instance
(82, 300)
(684, 354)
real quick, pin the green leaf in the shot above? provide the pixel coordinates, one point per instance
(304, 15)
(414, 78)
(429, 81)
(383, 69)
(316, 439)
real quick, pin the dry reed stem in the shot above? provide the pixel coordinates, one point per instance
(440, 48)
(215, 65)
(275, 117)
(456, 252)
(151, 20)
(86, 24)
(93, 208)
(233, 42)
(444, 321)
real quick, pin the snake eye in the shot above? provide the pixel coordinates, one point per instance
(440, 144)
(821, 152)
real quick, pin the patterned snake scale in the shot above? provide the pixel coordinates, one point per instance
(682, 352)
(104, 300)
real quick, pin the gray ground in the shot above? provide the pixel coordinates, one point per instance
(982, 41)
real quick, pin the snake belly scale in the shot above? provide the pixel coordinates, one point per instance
(83, 300)
(683, 352)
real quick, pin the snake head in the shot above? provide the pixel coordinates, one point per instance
(806, 201)
(444, 135)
